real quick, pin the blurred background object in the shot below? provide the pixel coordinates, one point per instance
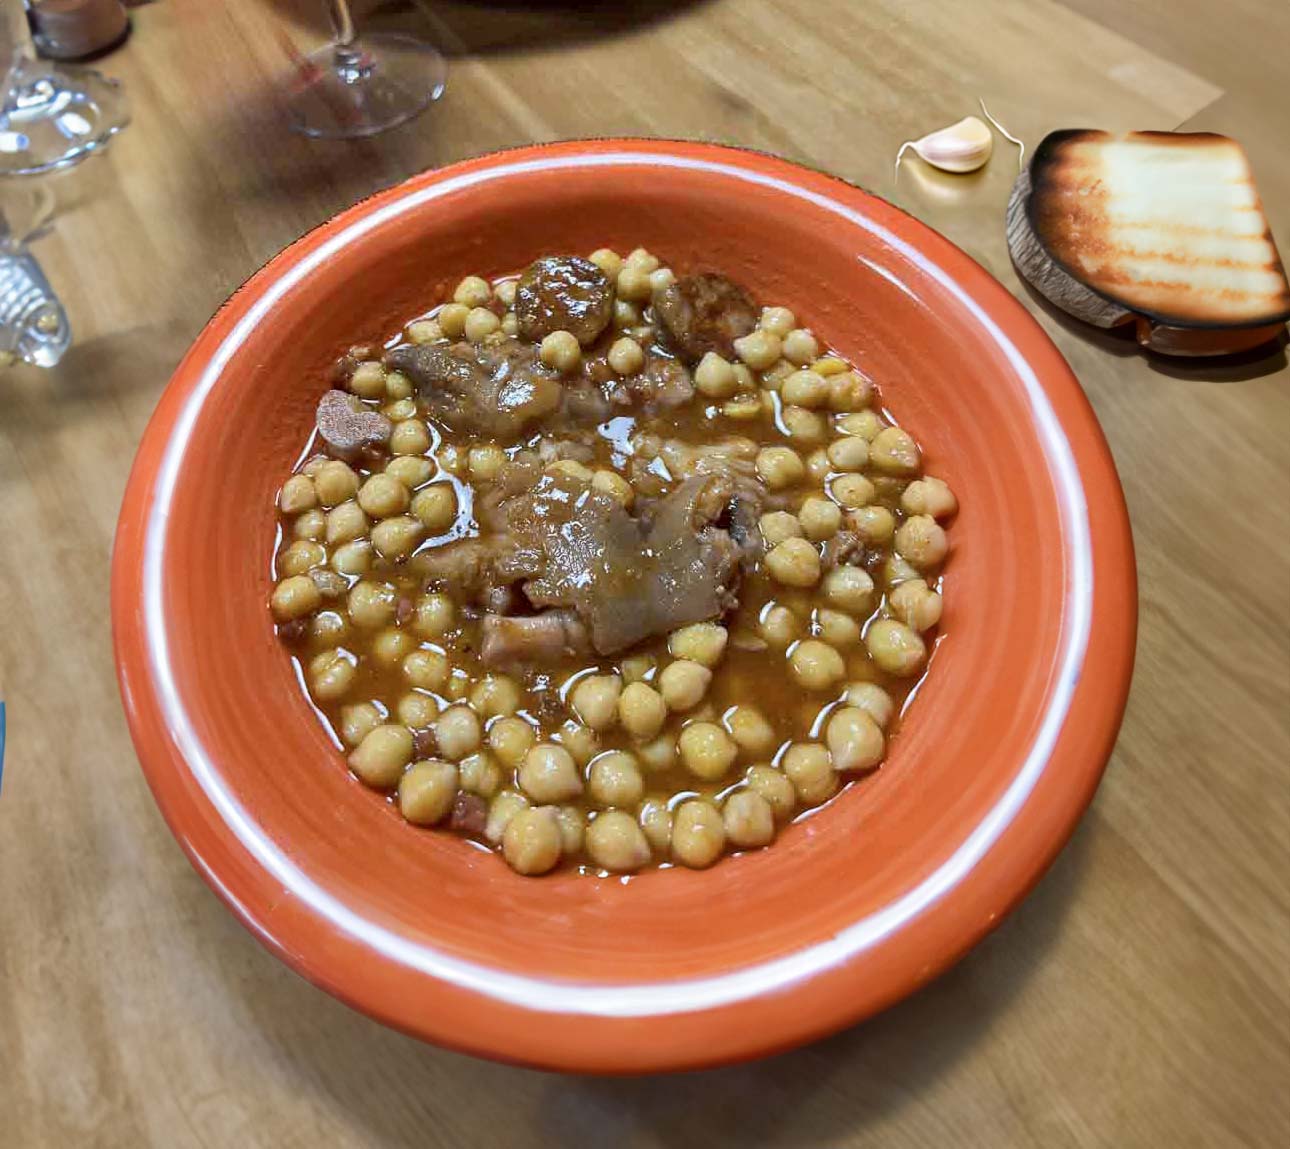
(355, 87)
(76, 29)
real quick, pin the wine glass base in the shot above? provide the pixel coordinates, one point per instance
(377, 83)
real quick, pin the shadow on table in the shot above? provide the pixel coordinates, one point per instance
(394, 1088)
(1256, 363)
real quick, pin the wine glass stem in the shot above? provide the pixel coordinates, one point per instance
(342, 23)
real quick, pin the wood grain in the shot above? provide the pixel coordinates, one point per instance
(1140, 997)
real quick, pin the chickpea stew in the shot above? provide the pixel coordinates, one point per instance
(605, 566)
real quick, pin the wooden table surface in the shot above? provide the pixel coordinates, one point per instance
(1140, 997)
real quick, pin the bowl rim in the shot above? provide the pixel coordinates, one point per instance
(1036, 831)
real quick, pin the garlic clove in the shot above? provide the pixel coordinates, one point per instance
(962, 147)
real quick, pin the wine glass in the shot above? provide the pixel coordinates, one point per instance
(357, 87)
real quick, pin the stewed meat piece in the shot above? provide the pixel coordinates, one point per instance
(535, 639)
(346, 426)
(703, 313)
(564, 293)
(660, 385)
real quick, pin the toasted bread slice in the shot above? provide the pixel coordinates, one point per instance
(1158, 227)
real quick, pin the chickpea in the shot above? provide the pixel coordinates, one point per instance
(626, 315)
(580, 741)
(510, 324)
(928, 496)
(501, 810)
(638, 667)
(810, 769)
(775, 788)
(656, 824)
(777, 320)
(331, 674)
(608, 260)
(865, 424)
(625, 356)
(485, 462)
(453, 459)
(641, 710)
(794, 562)
(644, 259)
(391, 645)
(368, 380)
(895, 647)
(683, 684)
(496, 694)
(701, 642)
(658, 754)
(839, 630)
(427, 791)
(748, 820)
(510, 739)
(874, 524)
(352, 558)
(751, 731)
(749, 407)
(852, 491)
(855, 742)
(458, 732)
(357, 722)
(531, 842)
(873, 700)
(850, 453)
(335, 482)
(805, 389)
(345, 523)
(398, 386)
(297, 495)
(779, 467)
(922, 541)
(818, 466)
(382, 756)
(301, 557)
(452, 319)
(480, 774)
(614, 779)
(894, 452)
(595, 700)
(816, 665)
(433, 616)
(480, 324)
(759, 349)
(614, 840)
(473, 291)
(436, 507)
(573, 828)
(398, 537)
(423, 331)
(820, 518)
(805, 427)
(896, 571)
(614, 485)
(417, 711)
(715, 377)
(505, 292)
(745, 382)
(549, 774)
(309, 525)
(849, 391)
(329, 583)
(397, 411)
(327, 628)
(560, 350)
(698, 834)
(800, 347)
(779, 625)
(773, 377)
(572, 469)
(409, 437)
(916, 605)
(427, 669)
(707, 750)
(294, 598)
(634, 285)
(776, 526)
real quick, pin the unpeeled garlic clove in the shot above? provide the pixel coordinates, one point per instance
(962, 147)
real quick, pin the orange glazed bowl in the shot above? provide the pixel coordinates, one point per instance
(851, 908)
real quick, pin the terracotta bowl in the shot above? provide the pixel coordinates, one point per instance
(851, 908)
